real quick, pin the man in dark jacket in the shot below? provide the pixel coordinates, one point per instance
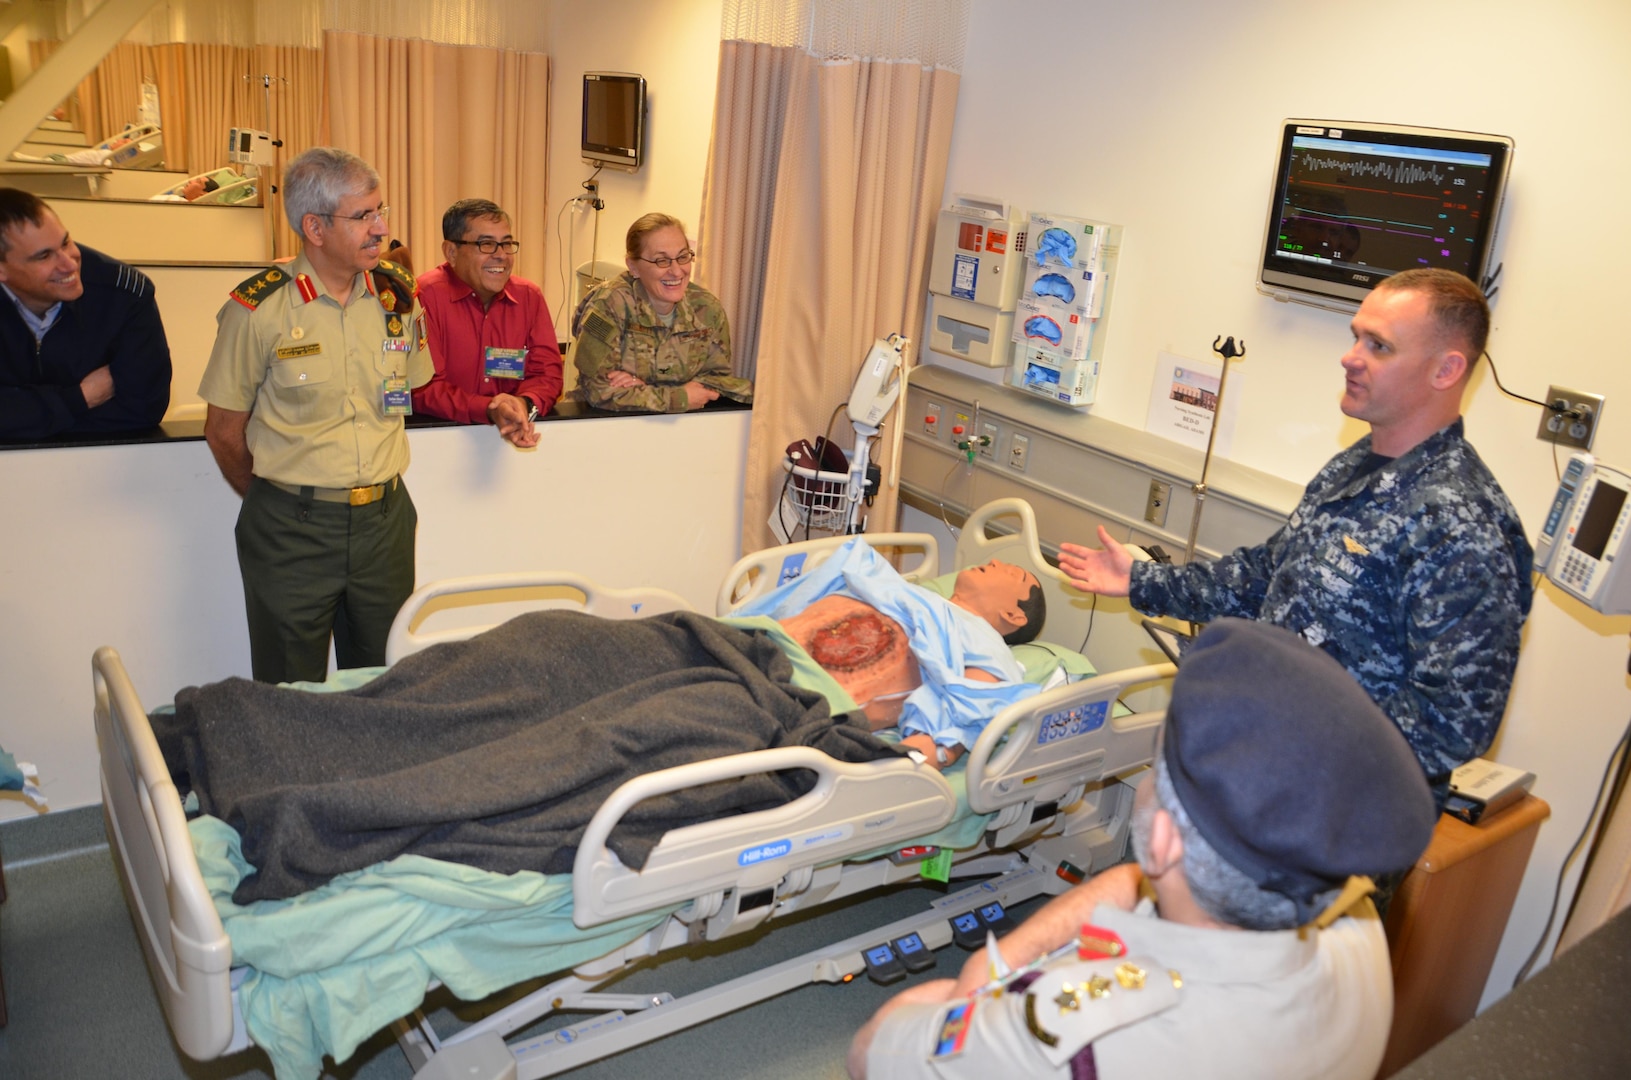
(82, 349)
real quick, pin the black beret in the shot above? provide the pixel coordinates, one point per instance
(1287, 767)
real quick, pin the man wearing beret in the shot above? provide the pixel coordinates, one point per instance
(1404, 559)
(1278, 787)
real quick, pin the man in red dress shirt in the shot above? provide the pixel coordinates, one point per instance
(497, 360)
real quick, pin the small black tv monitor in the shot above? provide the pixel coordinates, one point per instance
(614, 119)
(1355, 203)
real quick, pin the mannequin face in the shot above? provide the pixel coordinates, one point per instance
(994, 592)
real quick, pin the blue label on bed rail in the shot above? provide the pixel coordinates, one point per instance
(773, 850)
(1071, 722)
(792, 567)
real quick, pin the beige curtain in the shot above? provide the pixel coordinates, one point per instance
(108, 98)
(442, 123)
(740, 187)
(854, 156)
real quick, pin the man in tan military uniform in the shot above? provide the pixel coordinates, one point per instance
(652, 340)
(307, 386)
(1278, 781)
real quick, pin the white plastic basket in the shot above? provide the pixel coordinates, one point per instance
(820, 499)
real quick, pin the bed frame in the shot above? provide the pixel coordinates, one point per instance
(1046, 770)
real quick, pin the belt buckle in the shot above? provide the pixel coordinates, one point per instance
(362, 496)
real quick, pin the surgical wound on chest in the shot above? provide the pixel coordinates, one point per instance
(863, 641)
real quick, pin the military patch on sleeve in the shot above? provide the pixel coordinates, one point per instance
(600, 327)
(250, 293)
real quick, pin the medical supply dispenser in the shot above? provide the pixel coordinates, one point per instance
(1059, 315)
(974, 279)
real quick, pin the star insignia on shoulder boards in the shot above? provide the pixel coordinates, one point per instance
(1069, 998)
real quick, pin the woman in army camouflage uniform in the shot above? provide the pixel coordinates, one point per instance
(650, 340)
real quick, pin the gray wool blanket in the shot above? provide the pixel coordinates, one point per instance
(496, 751)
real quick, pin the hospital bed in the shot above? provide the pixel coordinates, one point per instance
(232, 188)
(1037, 805)
(138, 146)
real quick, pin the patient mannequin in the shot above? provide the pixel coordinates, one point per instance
(866, 652)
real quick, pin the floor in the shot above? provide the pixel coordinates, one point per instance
(82, 1005)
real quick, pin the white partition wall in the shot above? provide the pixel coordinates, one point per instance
(131, 546)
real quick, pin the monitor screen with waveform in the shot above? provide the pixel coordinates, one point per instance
(1354, 203)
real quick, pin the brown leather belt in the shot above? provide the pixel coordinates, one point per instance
(357, 496)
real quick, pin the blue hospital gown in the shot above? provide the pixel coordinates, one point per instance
(944, 638)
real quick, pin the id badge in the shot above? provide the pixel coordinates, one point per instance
(505, 363)
(396, 397)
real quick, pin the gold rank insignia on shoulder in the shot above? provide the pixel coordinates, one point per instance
(1354, 546)
(250, 293)
(390, 273)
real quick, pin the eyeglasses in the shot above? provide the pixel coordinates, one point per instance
(487, 245)
(366, 217)
(663, 262)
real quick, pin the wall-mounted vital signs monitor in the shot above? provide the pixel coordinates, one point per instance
(614, 119)
(1354, 203)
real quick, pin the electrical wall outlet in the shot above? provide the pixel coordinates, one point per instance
(1576, 426)
(1019, 452)
(1155, 507)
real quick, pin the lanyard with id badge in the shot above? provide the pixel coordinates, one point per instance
(396, 398)
(504, 363)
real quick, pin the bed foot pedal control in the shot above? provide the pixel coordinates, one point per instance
(882, 965)
(484, 1057)
(970, 928)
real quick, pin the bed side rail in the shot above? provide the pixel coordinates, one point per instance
(514, 593)
(853, 808)
(758, 573)
(1060, 739)
(187, 949)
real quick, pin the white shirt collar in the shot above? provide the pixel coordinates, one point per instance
(39, 324)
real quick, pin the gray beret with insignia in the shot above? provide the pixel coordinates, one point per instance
(1287, 767)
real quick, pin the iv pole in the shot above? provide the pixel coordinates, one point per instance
(1228, 352)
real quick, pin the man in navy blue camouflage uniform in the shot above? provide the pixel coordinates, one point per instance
(1404, 560)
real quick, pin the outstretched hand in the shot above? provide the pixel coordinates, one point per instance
(1107, 571)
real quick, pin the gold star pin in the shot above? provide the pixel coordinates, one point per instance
(1069, 998)
(1130, 976)
(1177, 979)
(1098, 987)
